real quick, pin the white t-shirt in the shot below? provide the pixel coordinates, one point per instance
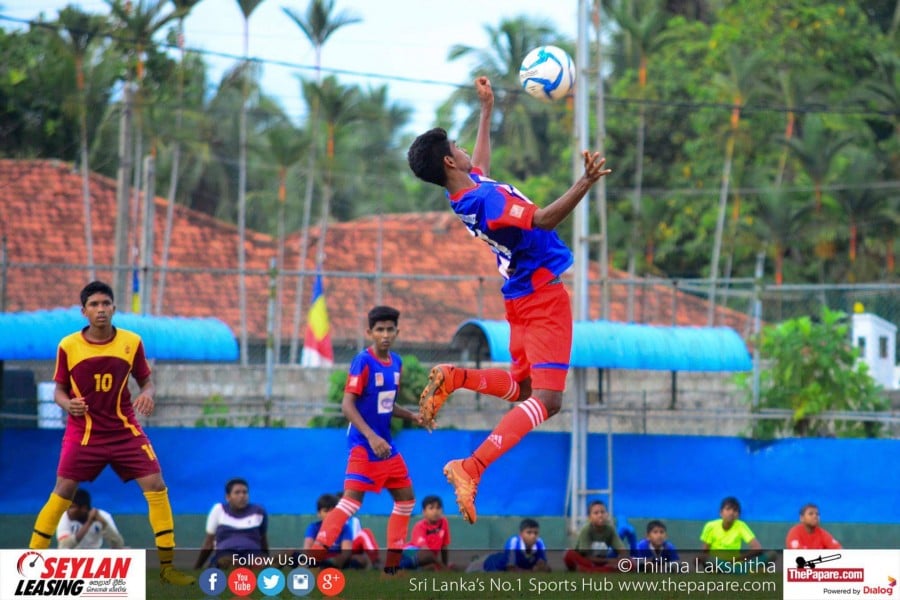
(95, 535)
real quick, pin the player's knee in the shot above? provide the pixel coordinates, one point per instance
(553, 407)
(551, 400)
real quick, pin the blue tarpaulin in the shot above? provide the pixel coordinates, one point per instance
(35, 335)
(610, 345)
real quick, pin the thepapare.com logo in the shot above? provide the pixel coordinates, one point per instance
(68, 574)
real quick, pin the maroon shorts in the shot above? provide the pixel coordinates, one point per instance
(540, 337)
(364, 475)
(131, 458)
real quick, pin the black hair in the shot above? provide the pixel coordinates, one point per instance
(236, 481)
(595, 503)
(654, 524)
(528, 524)
(96, 287)
(326, 502)
(732, 502)
(383, 313)
(426, 156)
(82, 498)
(429, 500)
(806, 506)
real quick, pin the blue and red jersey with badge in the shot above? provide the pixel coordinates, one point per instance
(501, 216)
(376, 384)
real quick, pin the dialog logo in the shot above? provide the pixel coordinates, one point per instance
(300, 582)
(241, 582)
(270, 581)
(213, 582)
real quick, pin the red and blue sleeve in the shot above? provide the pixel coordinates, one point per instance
(502, 208)
(357, 378)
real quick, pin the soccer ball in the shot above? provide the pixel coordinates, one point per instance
(547, 73)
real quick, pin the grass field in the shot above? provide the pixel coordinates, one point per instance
(419, 585)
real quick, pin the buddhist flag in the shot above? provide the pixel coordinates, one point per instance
(135, 291)
(317, 351)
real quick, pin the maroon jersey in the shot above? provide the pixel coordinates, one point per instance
(99, 373)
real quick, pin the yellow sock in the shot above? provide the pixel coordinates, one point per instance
(47, 520)
(163, 525)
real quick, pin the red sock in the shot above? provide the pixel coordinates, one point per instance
(495, 382)
(335, 520)
(511, 428)
(397, 528)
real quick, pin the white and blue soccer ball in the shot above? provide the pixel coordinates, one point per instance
(547, 73)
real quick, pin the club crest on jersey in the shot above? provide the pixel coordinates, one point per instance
(379, 379)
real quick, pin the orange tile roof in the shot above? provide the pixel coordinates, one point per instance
(42, 221)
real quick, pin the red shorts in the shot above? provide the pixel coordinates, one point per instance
(540, 337)
(131, 458)
(364, 475)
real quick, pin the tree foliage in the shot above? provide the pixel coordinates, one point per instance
(810, 367)
(815, 153)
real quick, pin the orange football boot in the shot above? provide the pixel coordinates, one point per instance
(432, 398)
(466, 487)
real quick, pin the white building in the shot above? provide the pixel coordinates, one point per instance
(877, 342)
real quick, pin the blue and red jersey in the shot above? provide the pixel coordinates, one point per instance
(376, 384)
(501, 216)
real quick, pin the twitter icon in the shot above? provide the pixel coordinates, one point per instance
(270, 581)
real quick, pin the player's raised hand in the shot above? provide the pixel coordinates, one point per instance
(593, 166)
(484, 90)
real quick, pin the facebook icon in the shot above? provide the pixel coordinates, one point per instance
(213, 582)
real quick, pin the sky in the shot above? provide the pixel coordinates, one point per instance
(397, 40)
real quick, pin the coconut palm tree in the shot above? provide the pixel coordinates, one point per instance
(858, 200)
(247, 8)
(644, 31)
(183, 8)
(738, 86)
(137, 23)
(79, 30)
(340, 107)
(318, 24)
(285, 148)
(779, 222)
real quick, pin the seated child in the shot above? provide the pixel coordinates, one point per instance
(807, 535)
(523, 552)
(339, 555)
(430, 539)
(723, 538)
(655, 547)
(596, 538)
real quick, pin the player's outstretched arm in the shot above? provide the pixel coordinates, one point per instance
(481, 153)
(407, 415)
(553, 214)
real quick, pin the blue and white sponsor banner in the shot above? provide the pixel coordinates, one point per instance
(864, 574)
(92, 574)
